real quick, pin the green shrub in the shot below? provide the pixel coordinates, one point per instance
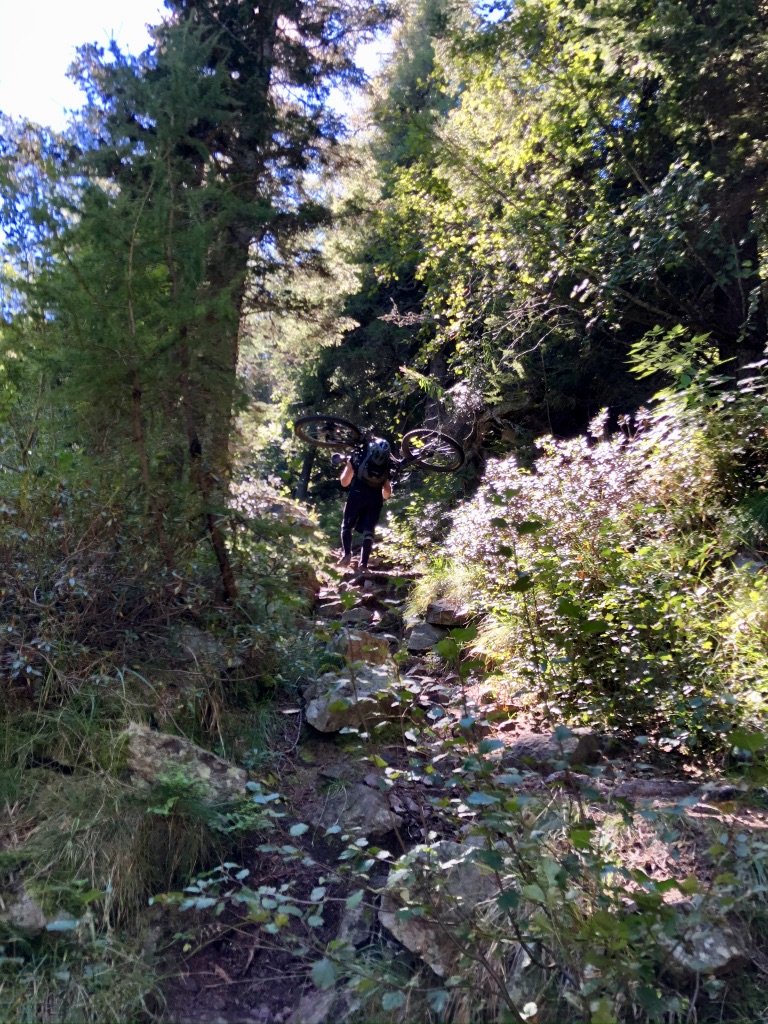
(606, 580)
(95, 979)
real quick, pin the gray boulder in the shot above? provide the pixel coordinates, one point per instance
(357, 808)
(316, 1007)
(423, 637)
(386, 619)
(707, 948)
(655, 789)
(23, 913)
(360, 646)
(330, 610)
(292, 513)
(358, 614)
(542, 750)
(336, 702)
(332, 1006)
(150, 755)
(207, 652)
(447, 613)
(750, 561)
(355, 925)
(446, 879)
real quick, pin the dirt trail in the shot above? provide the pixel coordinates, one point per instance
(238, 977)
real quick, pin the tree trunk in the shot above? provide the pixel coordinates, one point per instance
(302, 487)
(152, 507)
(203, 480)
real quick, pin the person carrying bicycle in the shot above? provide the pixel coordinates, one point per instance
(370, 470)
(368, 474)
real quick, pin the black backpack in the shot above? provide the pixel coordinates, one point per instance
(370, 473)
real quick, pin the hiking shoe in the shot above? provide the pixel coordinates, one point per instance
(344, 560)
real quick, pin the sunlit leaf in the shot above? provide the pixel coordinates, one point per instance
(508, 900)
(567, 607)
(489, 745)
(746, 740)
(464, 635)
(354, 900)
(447, 649)
(479, 799)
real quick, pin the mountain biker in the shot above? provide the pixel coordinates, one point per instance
(368, 474)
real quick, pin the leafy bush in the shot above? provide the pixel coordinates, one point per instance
(606, 579)
(546, 904)
(95, 979)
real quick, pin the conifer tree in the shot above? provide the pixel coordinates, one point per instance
(190, 179)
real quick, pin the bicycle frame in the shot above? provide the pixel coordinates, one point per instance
(400, 465)
(420, 448)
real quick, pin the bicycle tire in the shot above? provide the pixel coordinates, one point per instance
(328, 432)
(443, 453)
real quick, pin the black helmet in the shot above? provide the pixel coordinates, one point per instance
(379, 450)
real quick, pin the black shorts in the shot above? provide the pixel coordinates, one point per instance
(362, 511)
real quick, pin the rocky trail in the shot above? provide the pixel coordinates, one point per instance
(332, 784)
(356, 770)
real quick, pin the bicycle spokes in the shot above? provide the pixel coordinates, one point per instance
(429, 449)
(328, 431)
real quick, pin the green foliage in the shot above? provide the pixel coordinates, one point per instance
(606, 577)
(557, 914)
(556, 179)
(554, 901)
(417, 516)
(548, 186)
(188, 172)
(96, 978)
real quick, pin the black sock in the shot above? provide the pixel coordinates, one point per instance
(346, 540)
(367, 548)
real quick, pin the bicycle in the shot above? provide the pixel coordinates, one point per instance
(420, 449)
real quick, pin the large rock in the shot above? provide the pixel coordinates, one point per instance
(357, 808)
(708, 949)
(355, 925)
(449, 883)
(207, 652)
(543, 750)
(23, 913)
(305, 580)
(358, 614)
(423, 637)
(337, 702)
(359, 646)
(447, 613)
(386, 620)
(331, 1006)
(655, 789)
(750, 561)
(292, 513)
(330, 610)
(153, 755)
(385, 576)
(257, 499)
(316, 1007)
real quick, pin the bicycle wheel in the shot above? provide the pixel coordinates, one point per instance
(432, 450)
(328, 431)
